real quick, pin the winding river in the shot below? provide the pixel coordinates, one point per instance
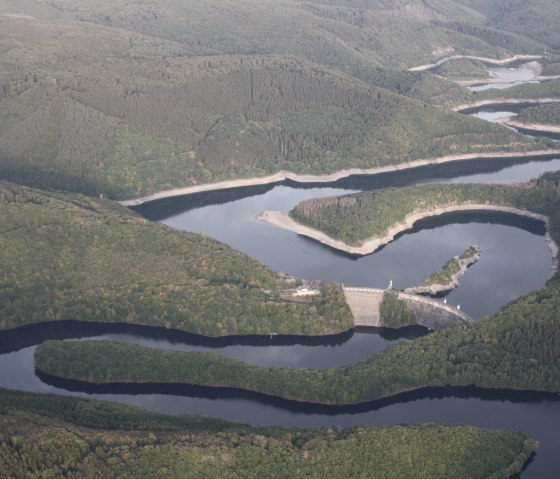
(515, 260)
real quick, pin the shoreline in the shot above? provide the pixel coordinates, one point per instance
(370, 245)
(542, 127)
(500, 81)
(503, 101)
(533, 66)
(436, 289)
(285, 400)
(492, 61)
(331, 177)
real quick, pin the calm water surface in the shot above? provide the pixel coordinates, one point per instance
(515, 260)
(512, 76)
(407, 261)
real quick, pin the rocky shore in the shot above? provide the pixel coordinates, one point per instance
(445, 281)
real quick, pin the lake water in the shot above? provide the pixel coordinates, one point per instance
(512, 75)
(515, 260)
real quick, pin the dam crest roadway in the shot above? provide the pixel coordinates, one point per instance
(365, 304)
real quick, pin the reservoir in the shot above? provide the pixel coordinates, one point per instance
(515, 260)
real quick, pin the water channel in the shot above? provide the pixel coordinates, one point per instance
(515, 260)
(517, 73)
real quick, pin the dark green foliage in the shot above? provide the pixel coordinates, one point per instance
(519, 348)
(463, 69)
(240, 117)
(67, 256)
(126, 98)
(424, 86)
(109, 415)
(356, 217)
(536, 19)
(546, 89)
(51, 443)
(452, 267)
(547, 114)
(394, 312)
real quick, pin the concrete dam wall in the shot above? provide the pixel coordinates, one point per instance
(365, 304)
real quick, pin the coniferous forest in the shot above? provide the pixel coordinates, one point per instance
(106, 102)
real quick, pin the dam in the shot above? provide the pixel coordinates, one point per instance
(365, 304)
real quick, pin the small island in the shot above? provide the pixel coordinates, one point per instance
(443, 282)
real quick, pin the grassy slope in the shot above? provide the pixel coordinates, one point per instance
(356, 217)
(519, 348)
(67, 256)
(39, 435)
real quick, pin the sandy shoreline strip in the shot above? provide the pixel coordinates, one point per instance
(329, 178)
(501, 81)
(509, 121)
(283, 220)
(504, 101)
(492, 61)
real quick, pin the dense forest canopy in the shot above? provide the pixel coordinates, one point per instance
(543, 114)
(126, 98)
(47, 436)
(359, 216)
(519, 348)
(71, 257)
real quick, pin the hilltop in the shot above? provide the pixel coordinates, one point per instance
(125, 100)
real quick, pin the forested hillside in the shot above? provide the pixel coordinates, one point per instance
(127, 99)
(548, 89)
(546, 114)
(51, 436)
(356, 217)
(340, 33)
(70, 257)
(104, 100)
(536, 19)
(519, 349)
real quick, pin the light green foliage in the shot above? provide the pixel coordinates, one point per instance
(67, 256)
(551, 65)
(50, 444)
